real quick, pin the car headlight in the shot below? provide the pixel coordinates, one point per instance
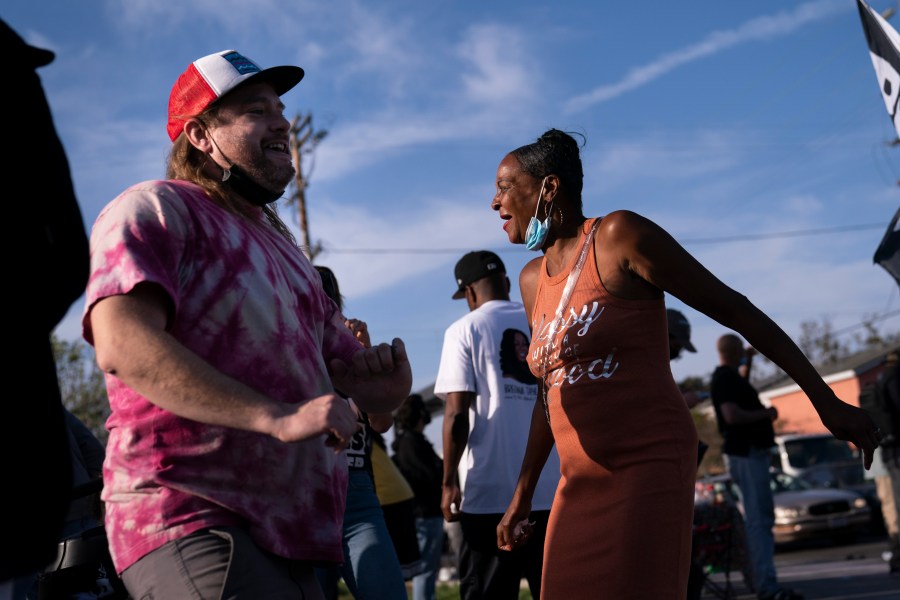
(860, 503)
(788, 513)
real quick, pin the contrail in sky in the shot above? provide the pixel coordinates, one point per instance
(779, 24)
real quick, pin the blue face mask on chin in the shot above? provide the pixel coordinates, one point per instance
(536, 233)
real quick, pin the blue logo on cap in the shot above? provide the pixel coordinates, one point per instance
(241, 63)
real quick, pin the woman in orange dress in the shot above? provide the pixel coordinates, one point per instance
(620, 526)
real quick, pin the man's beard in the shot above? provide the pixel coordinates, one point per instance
(265, 173)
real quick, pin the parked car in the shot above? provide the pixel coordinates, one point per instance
(824, 461)
(802, 512)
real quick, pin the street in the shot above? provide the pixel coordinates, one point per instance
(822, 571)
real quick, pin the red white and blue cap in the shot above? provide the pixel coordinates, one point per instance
(209, 78)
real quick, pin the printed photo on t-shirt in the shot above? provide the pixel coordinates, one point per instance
(514, 357)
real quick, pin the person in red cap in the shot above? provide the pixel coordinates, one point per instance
(225, 474)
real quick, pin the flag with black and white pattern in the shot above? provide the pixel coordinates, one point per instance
(884, 49)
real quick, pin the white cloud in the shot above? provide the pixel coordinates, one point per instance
(414, 242)
(359, 144)
(753, 30)
(382, 44)
(374, 137)
(803, 204)
(667, 155)
(232, 15)
(37, 39)
(497, 62)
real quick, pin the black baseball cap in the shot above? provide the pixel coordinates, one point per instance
(474, 266)
(17, 49)
(680, 329)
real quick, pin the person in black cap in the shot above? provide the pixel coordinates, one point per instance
(487, 415)
(679, 333)
(680, 339)
(38, 464)
(475, 266)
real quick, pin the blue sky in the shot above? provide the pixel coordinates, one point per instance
(754, 132)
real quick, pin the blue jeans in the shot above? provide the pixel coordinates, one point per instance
(430, 531)
(371, 569)
(751, 474)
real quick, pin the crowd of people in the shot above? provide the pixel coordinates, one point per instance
(247, 409)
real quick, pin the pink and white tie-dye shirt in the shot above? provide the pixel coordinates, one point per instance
(248, 302)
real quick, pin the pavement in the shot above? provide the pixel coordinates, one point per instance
(861, 574)
(857, 572)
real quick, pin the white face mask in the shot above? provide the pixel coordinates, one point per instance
(536, 234)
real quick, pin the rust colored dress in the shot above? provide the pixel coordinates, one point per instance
(620, 526)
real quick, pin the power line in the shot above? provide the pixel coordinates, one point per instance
(874, 319)
(710, 240)
(784, 234)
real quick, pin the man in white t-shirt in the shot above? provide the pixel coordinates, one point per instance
(490, 399)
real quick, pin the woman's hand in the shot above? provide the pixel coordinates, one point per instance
(851, 424)
(514, 529)
(360, 331)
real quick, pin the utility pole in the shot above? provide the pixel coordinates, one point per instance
(304, 139)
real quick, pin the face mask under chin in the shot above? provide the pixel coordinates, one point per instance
(242, 183)
(249, 190)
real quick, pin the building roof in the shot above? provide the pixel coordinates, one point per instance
(851, 365)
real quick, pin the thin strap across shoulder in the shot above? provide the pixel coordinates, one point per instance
(586, 246)
(575, 273)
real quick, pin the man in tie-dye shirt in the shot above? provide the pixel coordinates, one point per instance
(225, 474)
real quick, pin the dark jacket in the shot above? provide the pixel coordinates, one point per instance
(887, 402)
(423, 468)
(46, 281)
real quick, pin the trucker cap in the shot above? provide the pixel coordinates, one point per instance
(209, 78)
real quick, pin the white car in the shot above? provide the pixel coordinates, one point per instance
(823, 461)
(801, 511)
